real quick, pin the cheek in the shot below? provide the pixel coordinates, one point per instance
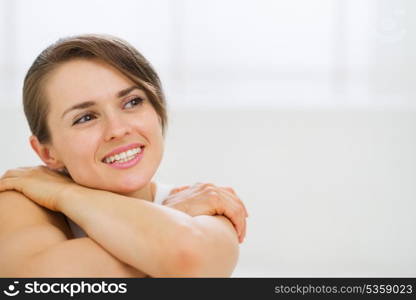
(79, 160)
(77, 148)
(149, 128)
(148, 125)
(155, 132)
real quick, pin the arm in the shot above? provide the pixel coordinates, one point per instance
(34, 243)
(51, 254)
(208, 199)
(81, 257)
(215, 247)
(160, 241)
(169, 250)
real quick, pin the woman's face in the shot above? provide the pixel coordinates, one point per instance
(99, 122)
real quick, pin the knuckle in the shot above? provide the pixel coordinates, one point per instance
(214, 199)
(240, 210)
(9, 173)
(207, 186)
(235, 213)
(230, 189)
(212, 194)
(210, 189)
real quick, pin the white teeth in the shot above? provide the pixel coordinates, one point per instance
(123, 156)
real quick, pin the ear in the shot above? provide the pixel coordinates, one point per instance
(46, 153)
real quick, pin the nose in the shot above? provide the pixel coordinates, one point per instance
(116, 127)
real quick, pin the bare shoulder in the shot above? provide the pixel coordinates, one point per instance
(17, 212)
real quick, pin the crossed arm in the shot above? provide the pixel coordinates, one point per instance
(155, 239)
(134, 238)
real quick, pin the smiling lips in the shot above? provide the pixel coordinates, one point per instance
(124, 157)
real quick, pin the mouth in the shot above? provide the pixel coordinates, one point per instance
(124, 154)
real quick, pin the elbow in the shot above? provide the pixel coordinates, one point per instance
(182, 258)
(187, 263)
(199, 256)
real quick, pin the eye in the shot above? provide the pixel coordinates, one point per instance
(133, 102)
(84, 118)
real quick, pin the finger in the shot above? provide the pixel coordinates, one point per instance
(228, 205)
(230, 189)
(222, 205)
(7, 184)
(204, 185)
(21, 171)
(10, 173)
(234, 211)
(233, 217)
(178, 189)
(241, 214)
(243, 220)
(174, 191)
(242, 203)
(243, 234)
(233, 194)
(181, 188)
(245, 230)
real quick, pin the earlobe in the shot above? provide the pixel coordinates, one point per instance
(46, 153)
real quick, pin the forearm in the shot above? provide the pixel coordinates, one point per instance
(149, 237)
(81, 257)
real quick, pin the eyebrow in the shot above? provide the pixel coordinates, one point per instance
(87, 104)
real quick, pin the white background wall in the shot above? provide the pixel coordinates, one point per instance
(306, 107)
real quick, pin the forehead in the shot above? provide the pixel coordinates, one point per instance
(82, 80)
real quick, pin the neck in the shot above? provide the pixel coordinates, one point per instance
(146, 193)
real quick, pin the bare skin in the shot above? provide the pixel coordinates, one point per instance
(68, 257)
(95, 111)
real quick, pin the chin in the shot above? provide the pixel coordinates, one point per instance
(123, 190)
(129, 185)
(118, 185)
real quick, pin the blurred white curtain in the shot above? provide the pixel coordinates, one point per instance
(296, 53)
(330, 192)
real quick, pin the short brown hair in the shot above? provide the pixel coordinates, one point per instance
(112, 50)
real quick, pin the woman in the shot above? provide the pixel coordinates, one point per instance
(97, 114)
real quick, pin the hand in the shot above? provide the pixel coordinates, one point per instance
(208, 199)
(40, 184)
